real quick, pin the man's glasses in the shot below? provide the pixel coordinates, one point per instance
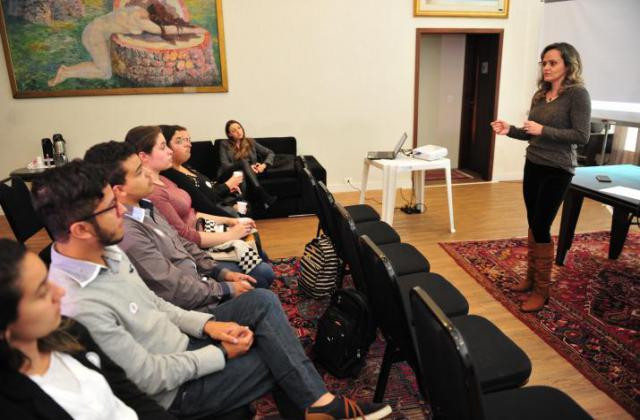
(180, 140)
(98, 213)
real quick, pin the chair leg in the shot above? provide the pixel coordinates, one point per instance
(385, 369)
(319, 229)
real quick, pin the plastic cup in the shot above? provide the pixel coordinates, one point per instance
(238, 173)
(242, 207)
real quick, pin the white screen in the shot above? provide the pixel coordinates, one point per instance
(606, 33)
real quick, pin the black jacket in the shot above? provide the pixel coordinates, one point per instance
(23, 399)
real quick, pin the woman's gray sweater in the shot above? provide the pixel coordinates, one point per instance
(566, 123)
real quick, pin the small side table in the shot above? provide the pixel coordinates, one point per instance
(26, 174)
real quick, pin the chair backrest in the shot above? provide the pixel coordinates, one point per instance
(346, 228)
(15, 199)
(309, 183)
(447, 370)
(326, 201)
(386, 301)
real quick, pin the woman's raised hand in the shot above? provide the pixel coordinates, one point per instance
(500, 127)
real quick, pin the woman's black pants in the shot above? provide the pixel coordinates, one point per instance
(544, 188)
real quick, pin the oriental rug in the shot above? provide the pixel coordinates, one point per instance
(303, 312)
(593, 316)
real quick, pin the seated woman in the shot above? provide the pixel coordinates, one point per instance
(50, 366)
(206, 196)
(245, 154)
(175, 203)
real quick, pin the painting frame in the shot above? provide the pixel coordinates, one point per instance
(462, 8)
(220, 63)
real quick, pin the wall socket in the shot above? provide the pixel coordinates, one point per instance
(348, 180)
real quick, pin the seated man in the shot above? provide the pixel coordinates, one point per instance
(167, 351)
(175, 268)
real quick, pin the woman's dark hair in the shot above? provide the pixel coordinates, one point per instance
(11, 254)
(111, 155)
(64, 195)
(241, 151)
(143, 137)
(169, 130)
(572, 63)
(163, 15)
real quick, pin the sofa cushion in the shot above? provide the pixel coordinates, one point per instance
(282, 187)
(283, 166)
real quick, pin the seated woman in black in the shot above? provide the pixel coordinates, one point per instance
(49, 365)
(207, 196)
(245, 154)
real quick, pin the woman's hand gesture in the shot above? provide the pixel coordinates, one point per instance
(500, 127)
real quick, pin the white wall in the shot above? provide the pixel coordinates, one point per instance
(440, 97)
(336, 74)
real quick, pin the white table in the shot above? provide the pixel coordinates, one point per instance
(391, 168)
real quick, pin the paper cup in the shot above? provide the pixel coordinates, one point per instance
(242, 207)
(238, 173)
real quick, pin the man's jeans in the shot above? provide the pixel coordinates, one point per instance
(276, 359)
(263, 273)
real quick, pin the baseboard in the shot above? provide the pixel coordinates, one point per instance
(372, 185)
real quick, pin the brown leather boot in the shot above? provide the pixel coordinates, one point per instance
(542, 281)
(525, 283)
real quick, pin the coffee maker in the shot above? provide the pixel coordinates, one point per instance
(59, 150)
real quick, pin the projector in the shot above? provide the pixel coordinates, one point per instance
(430, 152)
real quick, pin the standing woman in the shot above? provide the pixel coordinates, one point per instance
(559, 120)
(247, 155)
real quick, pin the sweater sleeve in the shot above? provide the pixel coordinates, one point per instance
(580, 116)
(184, 288)
(151, 372)
(264, 154)
(162, 201)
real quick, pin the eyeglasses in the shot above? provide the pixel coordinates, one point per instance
(98, 213)
(180, 140)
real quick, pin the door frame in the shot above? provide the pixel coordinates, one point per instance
(416, 75)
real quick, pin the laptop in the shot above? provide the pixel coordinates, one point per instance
(388, 155)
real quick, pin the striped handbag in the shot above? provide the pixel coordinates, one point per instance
(320, 268)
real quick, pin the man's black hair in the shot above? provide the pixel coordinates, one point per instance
(111, 155)
(64, 195)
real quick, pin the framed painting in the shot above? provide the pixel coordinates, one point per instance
(462, 8)
(113, 47)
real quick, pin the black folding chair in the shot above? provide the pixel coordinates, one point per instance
(389, 299)
(15, 199)
(450, 375)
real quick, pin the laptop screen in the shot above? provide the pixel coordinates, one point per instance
(396, 150)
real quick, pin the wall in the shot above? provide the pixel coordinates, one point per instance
(336, 74)
(440, 101)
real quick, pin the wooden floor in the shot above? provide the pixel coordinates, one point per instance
(482, 211)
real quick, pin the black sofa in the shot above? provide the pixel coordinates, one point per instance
(283, 179)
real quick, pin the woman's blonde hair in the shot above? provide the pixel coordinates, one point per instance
(573, 64)
(241, 152)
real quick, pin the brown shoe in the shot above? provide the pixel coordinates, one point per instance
(344, 408)
(542, 282)
(526, 283)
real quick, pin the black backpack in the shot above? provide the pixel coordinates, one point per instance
(345, 332)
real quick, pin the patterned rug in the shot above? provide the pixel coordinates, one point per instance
(303, 313)
(593, 315)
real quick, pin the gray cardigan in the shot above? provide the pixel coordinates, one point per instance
(258, 153)
(141, 332)
(566, 123)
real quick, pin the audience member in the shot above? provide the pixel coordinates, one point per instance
(176, 269)
(207, 196)
(173, 202)
(250, 157)
(50, 366)
(167, 351)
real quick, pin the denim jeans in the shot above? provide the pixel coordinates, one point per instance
(263, 273)
(276, 360)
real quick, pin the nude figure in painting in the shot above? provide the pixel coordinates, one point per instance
(139, 16)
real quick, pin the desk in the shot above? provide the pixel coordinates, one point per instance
(584, 184)
(390, 169)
